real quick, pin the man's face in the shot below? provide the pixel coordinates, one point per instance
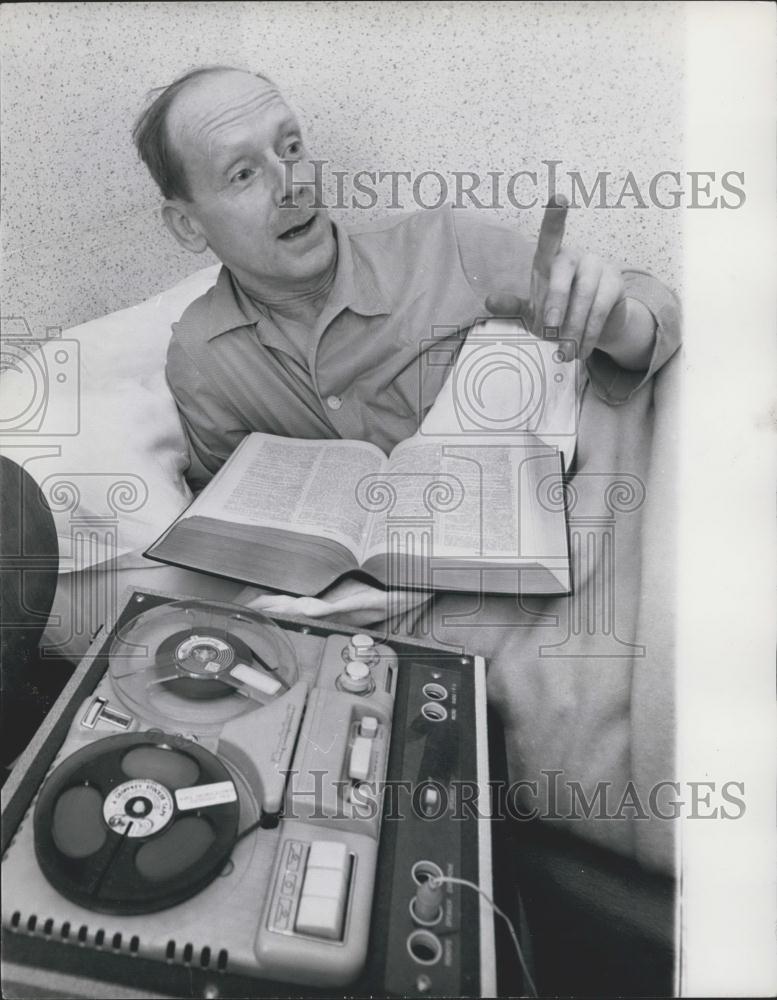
(233, 133)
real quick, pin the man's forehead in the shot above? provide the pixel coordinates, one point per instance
(213, 103)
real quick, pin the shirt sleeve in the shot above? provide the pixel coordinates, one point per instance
(616, 385)
(495, 257)
(211, 427)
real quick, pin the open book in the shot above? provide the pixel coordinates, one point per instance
(471, 505)
(296, 515)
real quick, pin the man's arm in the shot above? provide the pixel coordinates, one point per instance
(624, 323)
(614, 376)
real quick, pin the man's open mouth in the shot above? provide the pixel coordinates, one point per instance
(296, 231)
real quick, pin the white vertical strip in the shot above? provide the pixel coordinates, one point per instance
(485, 870)
(727, 527)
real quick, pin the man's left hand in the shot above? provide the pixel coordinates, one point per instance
(351, 602)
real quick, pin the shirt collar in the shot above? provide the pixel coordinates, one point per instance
(355, 287)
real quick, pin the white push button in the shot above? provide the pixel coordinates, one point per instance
(328, 854)
(334, 402)
(324, 891)
(369, 726)
(328, 882)
(320, 916)
(359, 766)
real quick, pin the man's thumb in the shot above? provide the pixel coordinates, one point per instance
(507, 305)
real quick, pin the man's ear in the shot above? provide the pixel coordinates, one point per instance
(183, 226)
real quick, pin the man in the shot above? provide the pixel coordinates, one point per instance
(316, 331)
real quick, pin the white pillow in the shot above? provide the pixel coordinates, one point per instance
(134, 341)
(91, 418)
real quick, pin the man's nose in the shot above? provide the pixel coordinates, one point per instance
(292, 178)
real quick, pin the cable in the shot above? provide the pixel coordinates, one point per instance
(439, 879)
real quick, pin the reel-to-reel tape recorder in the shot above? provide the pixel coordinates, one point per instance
(221, 804)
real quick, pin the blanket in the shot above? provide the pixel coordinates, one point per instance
(584, 685)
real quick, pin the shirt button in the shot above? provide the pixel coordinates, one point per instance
(334, 402)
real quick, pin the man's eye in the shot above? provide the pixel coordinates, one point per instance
(294, 148)
(242, 175)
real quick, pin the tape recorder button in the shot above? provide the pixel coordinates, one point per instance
(330, 883)
(368, 726)
(324, 890)
(359, 764)
(328, 854)
(320, 917)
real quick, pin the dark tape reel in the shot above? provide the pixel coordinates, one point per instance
(135, 823)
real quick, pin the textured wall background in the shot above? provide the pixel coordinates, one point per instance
(391, 86)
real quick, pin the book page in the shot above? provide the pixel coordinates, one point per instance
(473, 501)
(294, 485)
(485, 524)
(468, 483)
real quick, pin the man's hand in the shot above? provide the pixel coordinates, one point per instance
(581, 297)
(350, 602)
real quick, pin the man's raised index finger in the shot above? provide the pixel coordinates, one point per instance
(552, 228)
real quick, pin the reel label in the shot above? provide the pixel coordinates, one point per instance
(201, 796)
(138, 808)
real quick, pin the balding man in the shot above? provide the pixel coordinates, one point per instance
(315, 330)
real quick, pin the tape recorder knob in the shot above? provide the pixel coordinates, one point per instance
(356, 677)
(362, 647)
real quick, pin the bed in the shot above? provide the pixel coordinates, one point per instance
(583, 685)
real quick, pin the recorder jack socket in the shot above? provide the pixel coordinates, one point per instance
(424, 947)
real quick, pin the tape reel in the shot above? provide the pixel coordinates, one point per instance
(200, 663)
(136, 823)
